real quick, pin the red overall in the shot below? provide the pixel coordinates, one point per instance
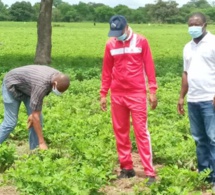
(127, 65)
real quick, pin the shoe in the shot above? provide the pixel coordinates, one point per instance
(150, 180)
(124, 173)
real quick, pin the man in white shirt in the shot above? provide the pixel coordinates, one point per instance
(198, 82)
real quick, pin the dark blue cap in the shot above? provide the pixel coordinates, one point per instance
(117, 25)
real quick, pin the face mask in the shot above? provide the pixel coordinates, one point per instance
(195, 31)
(122, 37)
(56, 92)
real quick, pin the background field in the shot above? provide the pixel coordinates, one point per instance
(82, 153)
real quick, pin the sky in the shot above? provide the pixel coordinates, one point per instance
(112, 3)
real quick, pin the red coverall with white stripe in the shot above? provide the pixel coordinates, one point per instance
(127, 65)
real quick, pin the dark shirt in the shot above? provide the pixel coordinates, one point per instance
(33, 81)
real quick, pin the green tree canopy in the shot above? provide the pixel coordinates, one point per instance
(103, 13)
(21, 11)
(161, 11)
(4, 14)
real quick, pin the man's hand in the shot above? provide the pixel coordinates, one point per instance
(30, 122)
(180, 106)
(153, 101)
(34, 121)
(103, 103)
(43, 146)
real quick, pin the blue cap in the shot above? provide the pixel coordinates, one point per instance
(117, 25)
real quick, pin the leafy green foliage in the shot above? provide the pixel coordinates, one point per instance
(21, 11)
(82, 153)
(7, 156)
(56, 172)
(158, 12)
(175, 181)
(166, 124)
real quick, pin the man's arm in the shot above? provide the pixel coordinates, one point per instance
(183, 92)
(106, 77)
(36, 101)
(150, 73)
(106, 72)
(34, 121)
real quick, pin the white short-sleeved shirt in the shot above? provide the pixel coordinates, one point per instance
(199, 63)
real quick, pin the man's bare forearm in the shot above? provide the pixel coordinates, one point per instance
(37, 126)
(184, 85)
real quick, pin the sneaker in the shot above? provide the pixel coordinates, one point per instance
(150, 180)
(126, 173)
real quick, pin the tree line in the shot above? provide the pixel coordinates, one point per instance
(159, 12)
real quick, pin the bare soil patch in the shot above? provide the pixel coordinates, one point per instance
(8, 190)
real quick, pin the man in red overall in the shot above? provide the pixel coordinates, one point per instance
(127, 65)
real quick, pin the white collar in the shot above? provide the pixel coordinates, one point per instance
(130, 33)
(204, 39)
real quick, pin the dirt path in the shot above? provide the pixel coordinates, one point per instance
(8, 190)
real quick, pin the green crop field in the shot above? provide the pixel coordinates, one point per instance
(82, 155)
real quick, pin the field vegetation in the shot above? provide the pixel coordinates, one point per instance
(82, 157)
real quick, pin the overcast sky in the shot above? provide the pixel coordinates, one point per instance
(130, 3)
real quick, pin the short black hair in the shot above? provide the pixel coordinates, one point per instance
(200, 15)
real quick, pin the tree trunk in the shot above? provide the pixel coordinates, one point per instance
(44, 32)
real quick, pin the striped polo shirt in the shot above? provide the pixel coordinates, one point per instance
(32, 81)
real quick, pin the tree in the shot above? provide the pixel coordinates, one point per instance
(210, 13)
(104, 13)
(56, 3)
(36, 8)
(4, 15)
(85, 11)
(198, 4)
(163, 12)
(63, 8)
(44, 32)
(72, 16)
(202, 4)
(139, 16)
(56, 15)
(123, 10)
(21, 11)
(173, 11)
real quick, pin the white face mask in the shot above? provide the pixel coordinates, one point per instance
(195, 31)
(122, 37)
(56, 92)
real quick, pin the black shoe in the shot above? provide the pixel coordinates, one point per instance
(150, 180)
(126, 173)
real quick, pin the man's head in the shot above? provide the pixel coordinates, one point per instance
(118, 27)
(197, 24)
(60, 83)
